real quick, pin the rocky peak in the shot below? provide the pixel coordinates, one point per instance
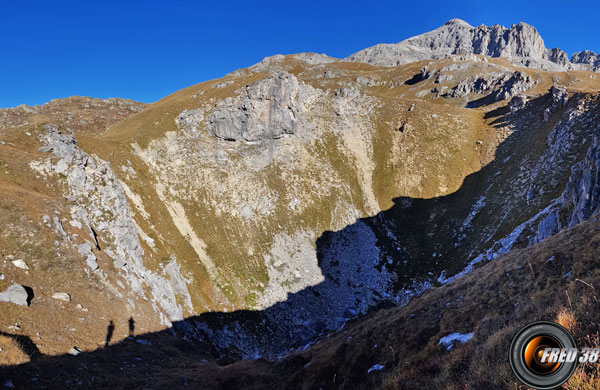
(588, 59)
(585, 57)
(521, 44)
(457, 22)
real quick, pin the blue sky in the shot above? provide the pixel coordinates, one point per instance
(145, 50)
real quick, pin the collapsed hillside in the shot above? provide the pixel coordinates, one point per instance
(254, 215)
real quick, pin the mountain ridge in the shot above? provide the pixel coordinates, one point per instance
(521, 44)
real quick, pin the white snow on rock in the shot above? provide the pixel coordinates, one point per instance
(448, 341)
(376, 367)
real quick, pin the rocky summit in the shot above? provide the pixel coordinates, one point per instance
(521, 44)
(307, 222)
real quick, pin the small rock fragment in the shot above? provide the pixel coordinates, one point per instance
(76, 224)
(20, 264)
(62, 296)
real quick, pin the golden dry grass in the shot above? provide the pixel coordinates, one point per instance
(488, 302)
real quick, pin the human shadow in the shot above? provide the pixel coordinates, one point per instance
(387, 258)
(131, 323)
(109, 333)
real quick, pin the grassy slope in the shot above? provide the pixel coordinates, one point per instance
(494, 301)
(158, 118)
(439, 136)
(54, 266)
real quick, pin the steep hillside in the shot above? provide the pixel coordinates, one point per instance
(555, 280)
(251, 216)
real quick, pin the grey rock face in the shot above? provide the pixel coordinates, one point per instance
(90, 258)
(521, 44)
(365, 81)
(559, 97)
(275, 62)
(583, 190)
(316, 59)
(16, 294)
(581, 196)
(588, 58)
(267, 109)
(516, 103)
(517, 83)
(557, 56)
(102, 207)
(190, 119)
(347, 92)
(502, 85)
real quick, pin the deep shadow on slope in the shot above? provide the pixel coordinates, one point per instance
(416, 239)
(493, 302)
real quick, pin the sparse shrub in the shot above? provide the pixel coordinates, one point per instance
(566, 318)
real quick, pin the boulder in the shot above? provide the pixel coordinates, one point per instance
(17, 294)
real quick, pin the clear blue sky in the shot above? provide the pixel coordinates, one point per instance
(145, 50)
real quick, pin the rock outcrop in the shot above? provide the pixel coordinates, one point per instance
(266, 109)
(516, 103)
(78, 113)
(501, 85)
(16, 294)
(101, 207)
(521, 44)
(588, 58)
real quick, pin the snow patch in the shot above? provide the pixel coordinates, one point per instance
(448, 341)
(376, 367)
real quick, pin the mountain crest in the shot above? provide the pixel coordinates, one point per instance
(521, 44)
(457, 22)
